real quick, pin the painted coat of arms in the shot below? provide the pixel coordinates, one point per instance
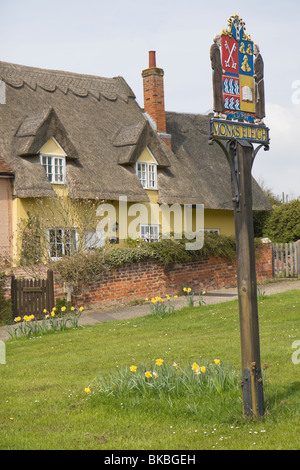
(237, 75)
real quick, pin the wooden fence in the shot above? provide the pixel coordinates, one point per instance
(286, 259)
(32, 296)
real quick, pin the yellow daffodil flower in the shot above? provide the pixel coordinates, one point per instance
(217, 361)
(195, 366)
(159, 362)
(87, 390)
(148, 374)
(133, 368)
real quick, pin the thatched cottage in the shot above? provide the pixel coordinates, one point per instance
(80, 138)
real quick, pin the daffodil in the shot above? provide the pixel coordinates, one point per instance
(87, 390)
(133, 368)
(72, 308)
(155, 375)
(203, 369)
(175, 365)
(159, 362)
(148, 374)
(63, 309)
(217, 361)
(45, 310)
(184, 289)
(81, 308)
(52, 313)
(195, 366)
(17, 319)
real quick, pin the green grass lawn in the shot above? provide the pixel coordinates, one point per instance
(43, 404)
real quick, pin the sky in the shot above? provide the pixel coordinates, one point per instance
(112, 38)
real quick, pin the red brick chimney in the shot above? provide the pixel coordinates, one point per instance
(154, 101)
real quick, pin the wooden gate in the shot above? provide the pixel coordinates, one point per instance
(286, 259)
(32, 296)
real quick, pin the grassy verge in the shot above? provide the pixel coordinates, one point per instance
(43, 403)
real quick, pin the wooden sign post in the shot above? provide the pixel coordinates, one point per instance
(237, 125)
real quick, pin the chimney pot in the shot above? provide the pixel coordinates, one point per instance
(152, 59)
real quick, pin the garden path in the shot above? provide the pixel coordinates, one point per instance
(126, 312)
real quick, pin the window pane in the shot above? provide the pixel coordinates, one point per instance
(54, 167)
(146, 173)
(149, 232)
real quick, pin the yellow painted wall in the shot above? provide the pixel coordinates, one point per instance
(219, 219)
(52, 148)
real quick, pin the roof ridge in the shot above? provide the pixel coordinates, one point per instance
(30, 68)
(17, 75)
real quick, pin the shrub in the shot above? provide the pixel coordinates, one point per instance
(5, 305)
(283, 224)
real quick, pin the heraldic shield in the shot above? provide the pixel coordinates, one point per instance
(238, 70)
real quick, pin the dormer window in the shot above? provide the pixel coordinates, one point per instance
(53, 159)
(146, 169)
(55, 168)
(147, 175)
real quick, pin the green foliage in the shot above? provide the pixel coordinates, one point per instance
(58, 320)
(59, 303)
(283, 224)
(186, 381)
(30, 235)
(5, 305)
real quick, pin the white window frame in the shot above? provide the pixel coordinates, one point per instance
(147, 174)
(149, 232)
(60, 246)
(55, 167)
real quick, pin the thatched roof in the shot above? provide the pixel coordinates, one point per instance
(206, 165)
(99, 124)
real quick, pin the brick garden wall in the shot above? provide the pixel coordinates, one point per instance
(148, 279)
